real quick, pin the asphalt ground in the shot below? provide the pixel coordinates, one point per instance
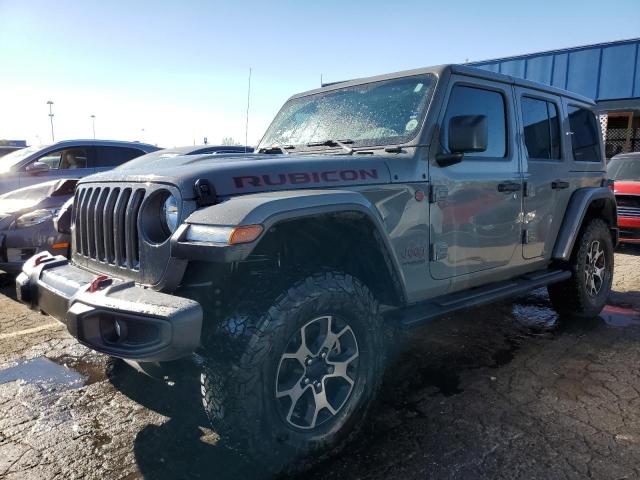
(503, 391)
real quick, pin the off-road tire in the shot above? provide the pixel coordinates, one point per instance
(571, 298)
(243, 356)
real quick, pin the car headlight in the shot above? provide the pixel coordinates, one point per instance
(170, 211)
(36, 217)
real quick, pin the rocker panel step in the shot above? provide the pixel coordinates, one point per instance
(424, 312)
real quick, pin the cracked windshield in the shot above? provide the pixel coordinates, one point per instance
(379, 113)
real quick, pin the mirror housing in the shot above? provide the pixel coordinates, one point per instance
(36, 168)
(467, 133)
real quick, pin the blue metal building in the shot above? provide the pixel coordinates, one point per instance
(607, 72)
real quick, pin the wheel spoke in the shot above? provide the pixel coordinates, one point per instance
(321, 402)
(294, 393)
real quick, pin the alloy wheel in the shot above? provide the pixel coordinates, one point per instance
(317, 372)
(595, 268)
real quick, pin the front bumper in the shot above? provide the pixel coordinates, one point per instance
(119, 318)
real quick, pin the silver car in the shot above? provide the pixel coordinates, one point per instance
(26, 222)
(69, 158)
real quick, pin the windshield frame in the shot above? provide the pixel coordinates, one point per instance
(18, 157)
(370, 144)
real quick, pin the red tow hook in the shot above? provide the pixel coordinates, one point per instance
(100, 282)
(39, 259)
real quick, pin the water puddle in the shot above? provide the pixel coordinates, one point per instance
(620, 316)
(67, 371)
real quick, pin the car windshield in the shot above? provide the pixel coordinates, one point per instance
(377, 113)
(624, 169)
(13, 158)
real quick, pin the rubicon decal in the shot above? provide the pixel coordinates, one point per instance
(305, 178)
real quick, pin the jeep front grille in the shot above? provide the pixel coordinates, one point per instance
(106, 224)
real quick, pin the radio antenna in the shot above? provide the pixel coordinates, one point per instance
(246, 128)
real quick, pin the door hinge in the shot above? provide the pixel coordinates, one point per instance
(437, 193)
(528, 237)
(529, 190)
(439, 251)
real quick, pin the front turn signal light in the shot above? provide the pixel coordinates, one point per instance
(245, 234)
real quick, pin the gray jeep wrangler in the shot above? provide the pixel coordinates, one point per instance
(370, 205)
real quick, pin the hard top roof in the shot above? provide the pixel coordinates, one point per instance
(439, 70)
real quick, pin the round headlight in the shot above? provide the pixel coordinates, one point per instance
(170, 210)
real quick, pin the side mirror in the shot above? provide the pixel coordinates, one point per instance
(36, 168)
(467, 133)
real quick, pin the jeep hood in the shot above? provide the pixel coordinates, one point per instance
(235, 174)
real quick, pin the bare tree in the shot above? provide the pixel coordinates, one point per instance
(229, 141)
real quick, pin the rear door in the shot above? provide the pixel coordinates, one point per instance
(109, 157)
(476, 204)
(546, 170)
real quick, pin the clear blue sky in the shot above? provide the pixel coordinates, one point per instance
(179, 69)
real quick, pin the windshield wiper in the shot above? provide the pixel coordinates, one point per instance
(276, 148)
(333, 143)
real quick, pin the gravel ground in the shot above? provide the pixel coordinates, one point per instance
(505, 391)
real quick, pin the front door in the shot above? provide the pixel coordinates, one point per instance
(545, 170)
(73, 162)
(476, 204)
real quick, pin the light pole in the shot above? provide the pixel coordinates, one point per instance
(93, 124)
(50, 103)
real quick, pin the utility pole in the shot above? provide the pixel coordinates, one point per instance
(50, 103)
(93, 124)
(246, 128)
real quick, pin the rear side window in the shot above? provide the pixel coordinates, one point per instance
(541, 128)
(114, 156)
(584, 135)
(478, 101)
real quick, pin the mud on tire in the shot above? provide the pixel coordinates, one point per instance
(247, 396)
(584, 295)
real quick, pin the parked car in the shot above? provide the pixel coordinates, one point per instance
(624, 170)
(7, 149)
(69, 158)
(267, 272)
(150, 159)
(26, 222)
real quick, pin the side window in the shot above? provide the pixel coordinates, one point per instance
(114, 156)
(67, 159)
(478, 101)
(541, 128)
(584, 135)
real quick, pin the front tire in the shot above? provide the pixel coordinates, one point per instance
(585, 294)
(299, 376)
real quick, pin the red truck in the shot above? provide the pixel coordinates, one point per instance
(624, 169)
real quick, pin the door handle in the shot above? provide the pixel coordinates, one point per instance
(509, 187)
(559, 185)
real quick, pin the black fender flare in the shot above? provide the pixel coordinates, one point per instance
(271, 208)
(574, 216)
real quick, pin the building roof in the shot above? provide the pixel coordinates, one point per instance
(603, 71)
